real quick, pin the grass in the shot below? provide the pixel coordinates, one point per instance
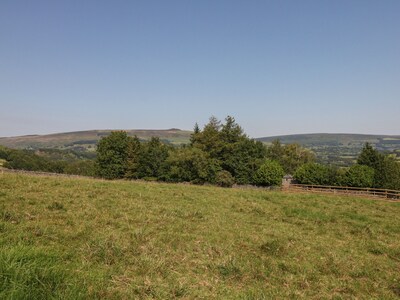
(63, 238)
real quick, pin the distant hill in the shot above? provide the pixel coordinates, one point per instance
(341, 149)
(86, 140)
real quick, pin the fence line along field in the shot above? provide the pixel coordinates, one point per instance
(391, 195)
(78, 238)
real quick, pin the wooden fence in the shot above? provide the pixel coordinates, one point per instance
(345, 190)
(39, 173)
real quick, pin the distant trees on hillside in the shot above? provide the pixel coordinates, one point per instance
(217, 147)
(47, 160)
(386, 168)
(290, 156)
(219, 153)
(373, 169)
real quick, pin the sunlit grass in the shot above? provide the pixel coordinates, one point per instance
(84, 238)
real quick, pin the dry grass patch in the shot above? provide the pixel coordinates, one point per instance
(85, 238)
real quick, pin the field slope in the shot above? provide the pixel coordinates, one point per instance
(86, 239)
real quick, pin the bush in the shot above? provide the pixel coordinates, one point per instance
(270, 173)
(112, 155)
(224, 179)
(190, 164)
(313, 173)
(359, 176)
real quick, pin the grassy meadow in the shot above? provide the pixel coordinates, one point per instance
(63, 238)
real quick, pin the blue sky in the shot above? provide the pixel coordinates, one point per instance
(279, 67)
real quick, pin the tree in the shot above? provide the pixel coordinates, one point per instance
(359, 176)
(386, 168)
(290, 156)
(189, 164)
(231, 132)
(370, 157)
(28, 160)
(195, 134)
(233, 150)
(112, 155)
(242, 159)
(133, 158)
(387, 175)
(209, 139)
(270, 173)
(152, 159)
(275, 151)
(313, 173)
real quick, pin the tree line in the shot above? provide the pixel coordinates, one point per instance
(49, 160)
(219, 153)
(372, 170)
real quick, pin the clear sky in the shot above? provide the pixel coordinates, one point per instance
(278, 67)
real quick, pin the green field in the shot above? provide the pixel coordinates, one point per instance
(87, 239)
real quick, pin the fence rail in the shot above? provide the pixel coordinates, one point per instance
(15, 171)
(370, 192)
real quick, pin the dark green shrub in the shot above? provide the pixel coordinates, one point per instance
(112, 155)
(224, 179)
(270, 173)
(313, 173)
(359, 176)
(190, 164)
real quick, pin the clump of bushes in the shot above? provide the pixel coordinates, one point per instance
(270, 173)
(224, 179)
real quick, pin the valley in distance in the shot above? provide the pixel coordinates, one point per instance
(339, 149)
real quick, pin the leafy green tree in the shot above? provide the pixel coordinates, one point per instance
(209, 139)
(387, 175)
(229, 145)
(195, 134)
(359, 176)
(270, 173)
(133, 158)
(152, 159)
(190, 164)
(313, 173)
(242, 159)
(370, 157)
(112, 155)
(290, 156)
(29, 161)
(231, 132)
(275, 151)
(386, 168)
(4, 152)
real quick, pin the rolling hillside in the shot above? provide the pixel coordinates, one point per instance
(64, 238)
(341, 149)
(86, 140)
